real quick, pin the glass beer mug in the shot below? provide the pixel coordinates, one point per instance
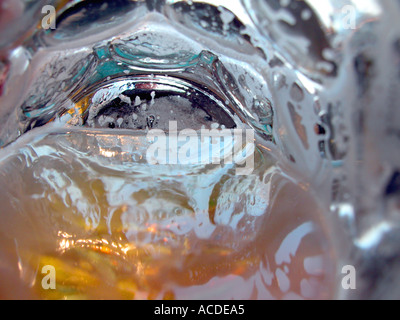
(199, 149)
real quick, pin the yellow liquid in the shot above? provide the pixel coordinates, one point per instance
(114, 227)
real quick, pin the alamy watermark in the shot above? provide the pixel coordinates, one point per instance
(49, 278)
(350, 278)
(348, 20)
(348, 281)
(349, 17)
(204, 147)
(49, 20)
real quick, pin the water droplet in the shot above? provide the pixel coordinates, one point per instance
(138, 101)
(306, 14)
(296, 93)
